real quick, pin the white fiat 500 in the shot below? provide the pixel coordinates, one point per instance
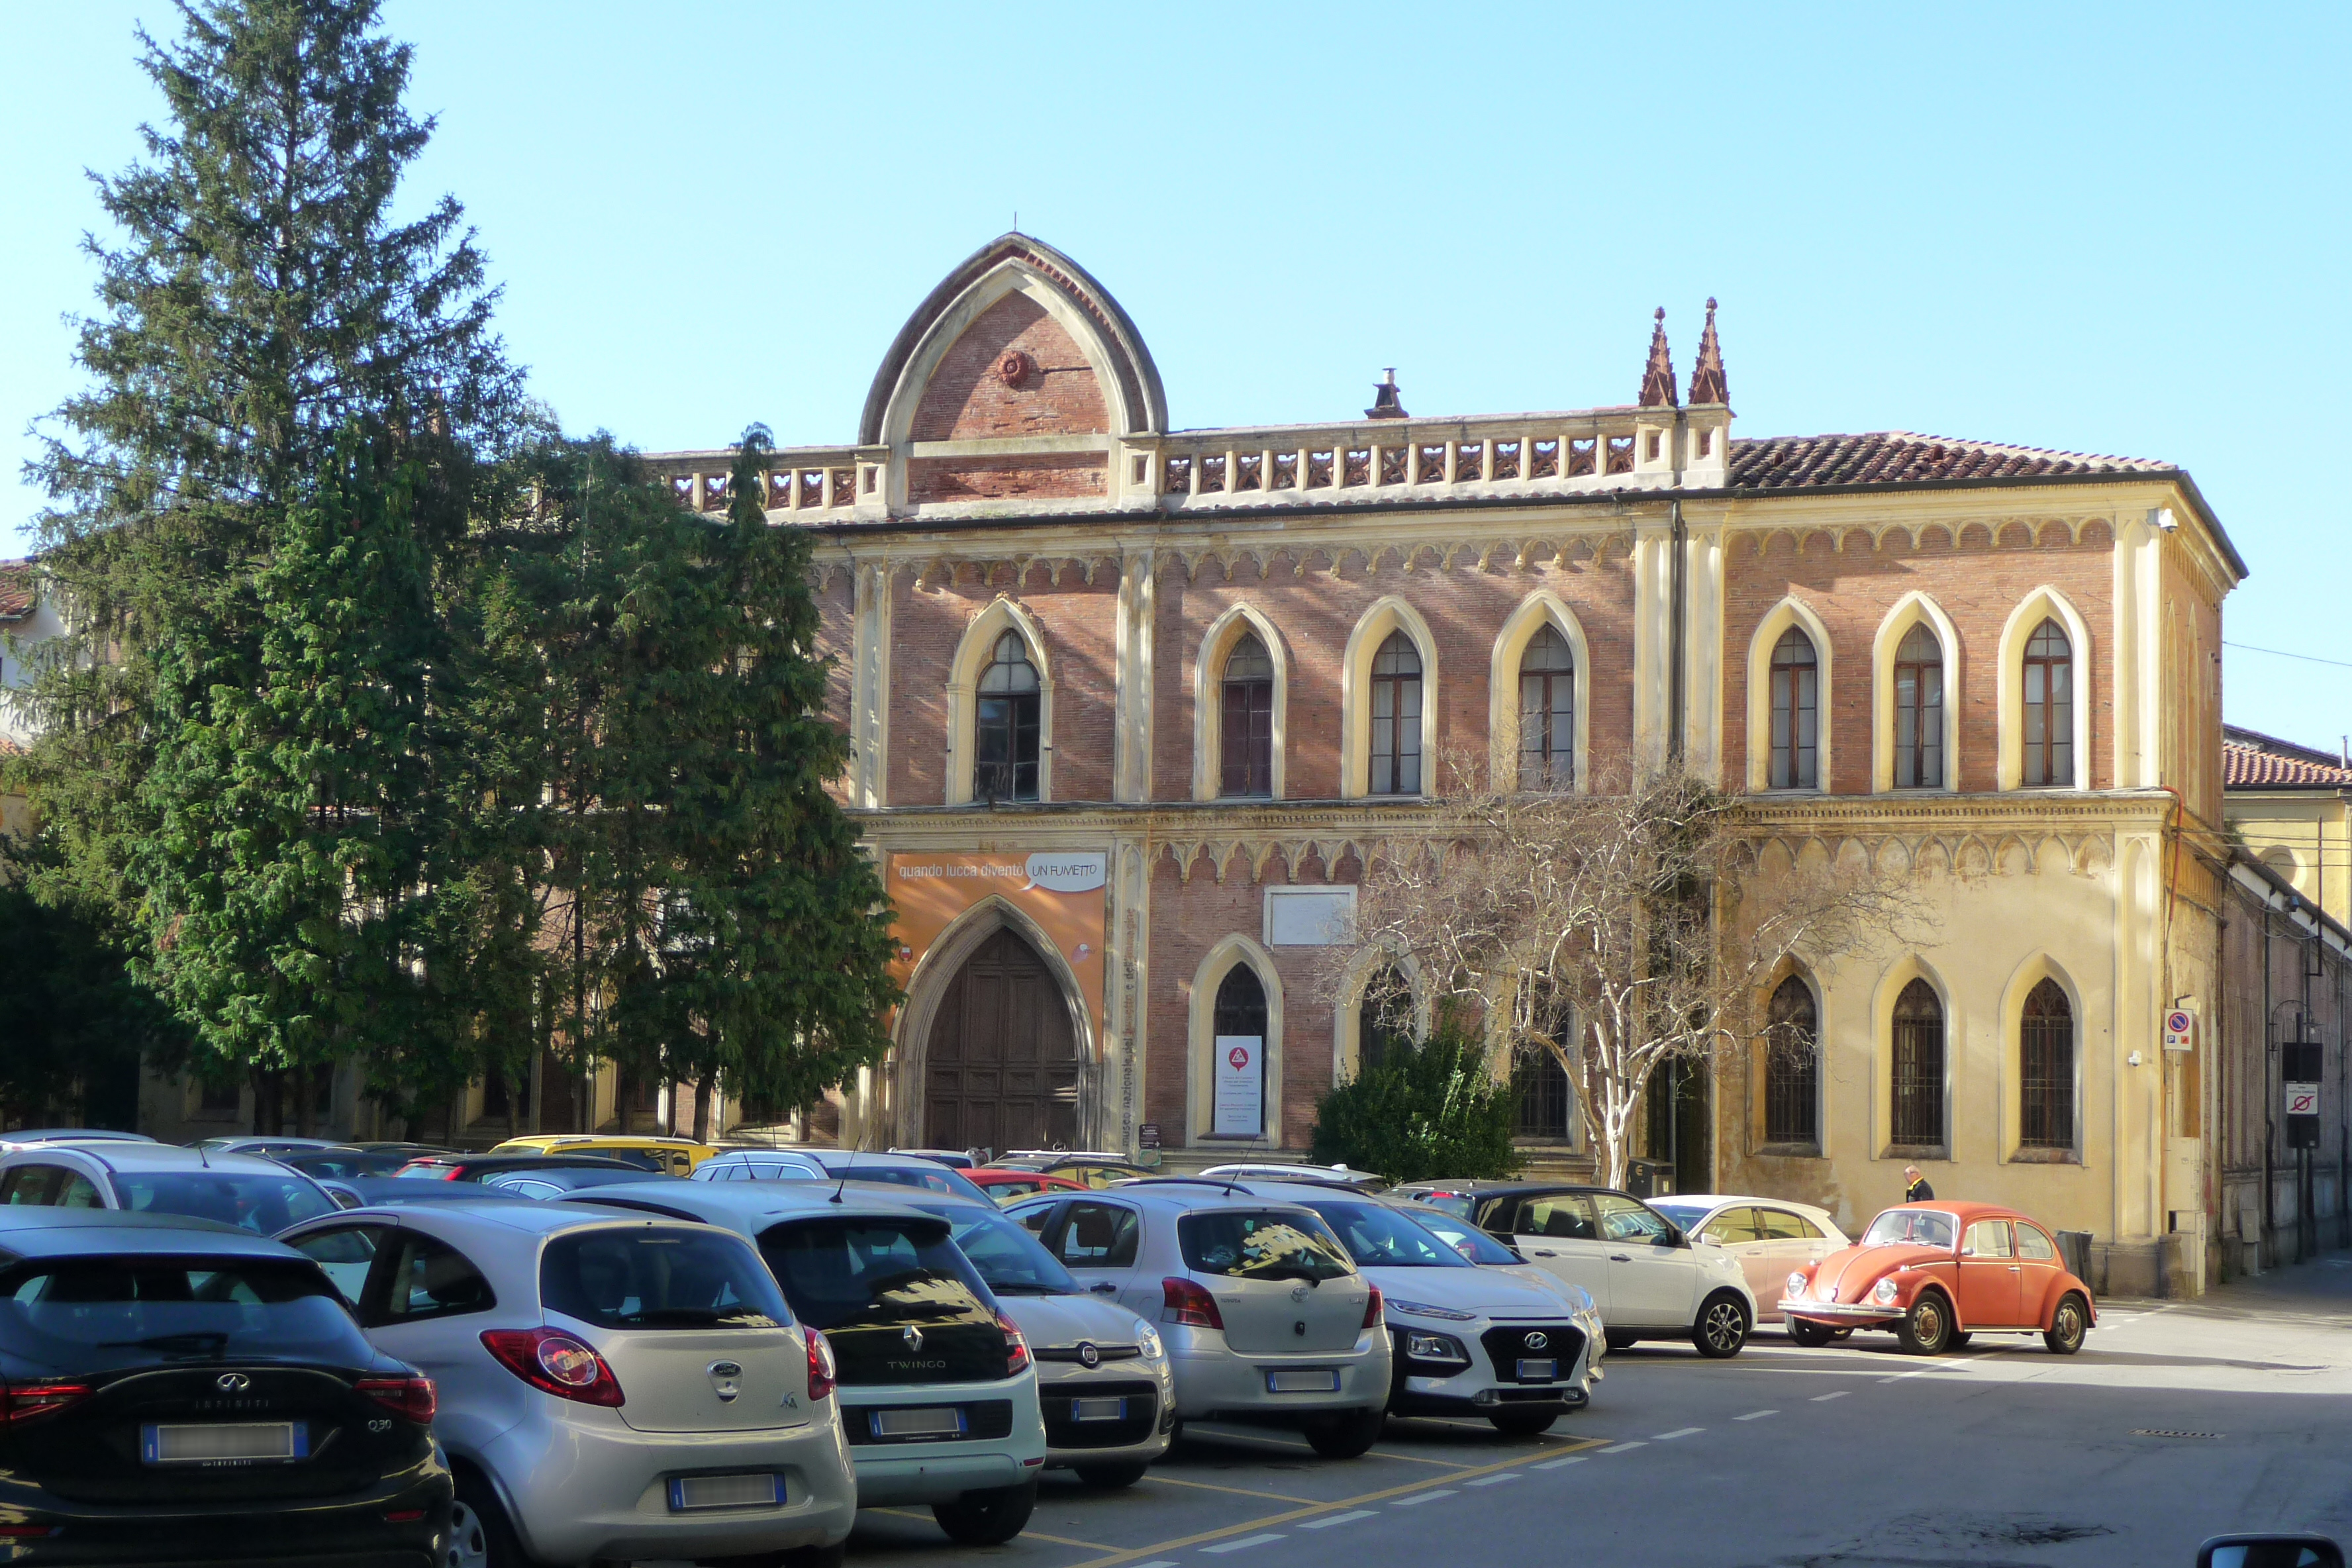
(1468, 1341)
(1263, 1312)
(1766, 1236)
(1644, 1273)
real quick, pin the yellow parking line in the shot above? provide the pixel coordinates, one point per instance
(1212, 1487)
(1066, 1540)
(1135, 1554)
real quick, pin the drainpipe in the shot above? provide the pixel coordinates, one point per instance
(1679, 591)
(2269, 1095)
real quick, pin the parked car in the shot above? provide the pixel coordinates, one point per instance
(1458, 1197)
(376, 1192)
(243, 1190)
(1323, 1176)
(953, 1159)
(1639, 1267)
(1939, 1273)
(482, 1167)
(1092, 1168)
(26, 1137)
(562, 1181)
(268, 1144)
(836, 1166)
(939, 1396)
(1488, 1253)
(1263, 1312)
(341, 1162)
(669, 1156)
(1769, 1237)
(182, 1388)
(1007, 1186)
(1468, 1341)
(612, 1387)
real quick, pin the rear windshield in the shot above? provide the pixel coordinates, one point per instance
(929, 1179)
(1463, 1236)
(1451, 1203)
(1252, 1245)
(658, 1278)
(1010, 1258)
(257, 1203)
(88, 1313)
(1917, 1227)
(342, 1165)
(1375, 1234)
(860, 1271)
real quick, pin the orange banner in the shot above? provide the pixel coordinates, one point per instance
(1061, 890)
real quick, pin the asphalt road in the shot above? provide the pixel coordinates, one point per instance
(2179, 1420)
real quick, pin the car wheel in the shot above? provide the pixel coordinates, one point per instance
(987, 1517)
(2068, 1325)
(1110, 1476)
(1722, 1326)
(1346, 1437)
(1810, 1335)
(480, 1534)
(1927, 1328)
(1618, 1338)
(1523, 1422)
(1959, 1341)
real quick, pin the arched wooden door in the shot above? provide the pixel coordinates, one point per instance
(1002, 1067)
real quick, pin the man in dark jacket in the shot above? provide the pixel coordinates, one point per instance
(1918, 1191)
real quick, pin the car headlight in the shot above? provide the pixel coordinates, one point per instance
(1423, 1310)
(1419, 1346)
(1884, 1292)
(1797, 1283)
(1148, 1341)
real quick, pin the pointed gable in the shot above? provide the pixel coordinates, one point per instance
(1015, 372)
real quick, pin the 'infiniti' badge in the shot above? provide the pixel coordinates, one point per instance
(726, 1380)
(913, 1336)
(231, 1383)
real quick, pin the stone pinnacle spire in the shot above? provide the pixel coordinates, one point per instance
(1707, 379)
(1658, 378)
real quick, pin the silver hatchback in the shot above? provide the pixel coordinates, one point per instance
(1264, 1314)
(612, 1385)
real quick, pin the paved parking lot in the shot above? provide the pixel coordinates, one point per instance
(2178, 1421)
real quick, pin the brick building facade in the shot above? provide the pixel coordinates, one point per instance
(1128, 705)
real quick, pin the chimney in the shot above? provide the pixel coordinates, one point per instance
(1384, 399)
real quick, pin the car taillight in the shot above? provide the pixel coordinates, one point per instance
(823, 1375)
(410, 1396)
(22, 1401)
(1182, 1301)
(1017, 1349)
(555, 1363)
(1372, 1308)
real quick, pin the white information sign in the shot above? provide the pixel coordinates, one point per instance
(1240, 1106)
(2302, 1098)
(2179, 1030)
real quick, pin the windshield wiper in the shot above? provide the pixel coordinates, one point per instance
(695, 1317)
(195, 1344)
(1027, 1287)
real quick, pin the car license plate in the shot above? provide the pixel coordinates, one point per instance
(225, 1443)
(762, 1490)
(923, 1420)
(1538, 1370)
(1320, 1380)
(1098, 1409)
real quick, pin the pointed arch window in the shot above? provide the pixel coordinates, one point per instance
(2045, 1056)
(1919, 1086)
(1396, 717)
(1919, 710)
(1547, 712)
(2049, 707)
(1246, 737)
(1796, 711)
(1384, 1020)
(1793, 1082)
(1239, 1015)
(1005, 729)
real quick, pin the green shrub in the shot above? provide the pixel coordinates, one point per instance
(1431, 1111)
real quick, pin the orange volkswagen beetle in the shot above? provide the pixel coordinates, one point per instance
(1937, 1273)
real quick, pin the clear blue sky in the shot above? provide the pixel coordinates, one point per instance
(2109, 229)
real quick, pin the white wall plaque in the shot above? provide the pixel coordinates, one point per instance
(1241, 1086)
(1309, 917)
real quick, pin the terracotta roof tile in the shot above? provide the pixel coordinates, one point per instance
(2252, 760)
(1896, 456)
(16, 590)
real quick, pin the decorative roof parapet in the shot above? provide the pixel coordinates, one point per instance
(1658, 378)
(1706, 384)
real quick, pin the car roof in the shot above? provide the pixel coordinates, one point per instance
(71, 1134)
(1726, 1200)
(1506, 1189)
(610, 1140)
(168, 1157)
(1183, 1193)
(519, 1162)
(86, 1233)
(530, 1217)
(1964, 1211)
(743, 1205)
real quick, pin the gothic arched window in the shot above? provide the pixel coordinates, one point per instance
(1547, 712)
(1006, 728)
(1796, 711)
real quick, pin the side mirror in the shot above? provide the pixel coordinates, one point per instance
(2270, 1552)
(1673, 1236)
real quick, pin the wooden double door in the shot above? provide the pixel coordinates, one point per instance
(1001, 1069)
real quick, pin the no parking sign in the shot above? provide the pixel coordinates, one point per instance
(2179, 1030)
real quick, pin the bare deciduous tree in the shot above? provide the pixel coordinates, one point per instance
(1618, 930)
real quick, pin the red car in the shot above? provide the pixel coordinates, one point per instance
(1006, 1185)
(1938, 1273)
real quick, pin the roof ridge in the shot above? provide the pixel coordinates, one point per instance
(2014, 449)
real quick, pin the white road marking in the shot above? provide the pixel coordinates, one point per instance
(1427, 1496)
(1679, 1432)
(1555, 1463)
(1494, 1481)
(1245, 1541)
(1756, 1415)
(1350, 1516)
(1621, 1448)
(1840, 1393)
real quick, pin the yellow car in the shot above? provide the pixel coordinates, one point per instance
(675, 1156)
